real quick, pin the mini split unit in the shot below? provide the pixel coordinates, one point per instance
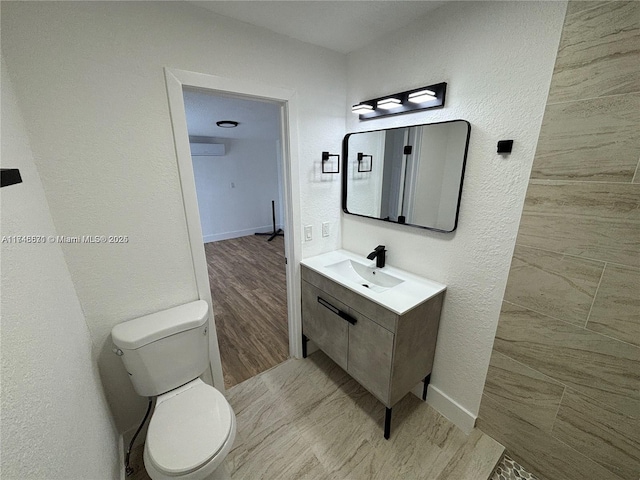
(207, 149)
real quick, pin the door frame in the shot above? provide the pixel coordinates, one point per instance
(252, 90)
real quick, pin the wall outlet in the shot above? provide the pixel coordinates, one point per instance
(308, 233)
(325, 229)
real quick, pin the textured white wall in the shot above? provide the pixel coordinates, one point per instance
(55, 420)
(497, 58)
(229, 212)
(89, 79)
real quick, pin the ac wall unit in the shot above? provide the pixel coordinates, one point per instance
(207, 149)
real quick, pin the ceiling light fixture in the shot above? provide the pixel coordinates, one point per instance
(227, 124)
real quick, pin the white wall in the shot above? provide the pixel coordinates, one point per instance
(497, 58)
(89, 79)
(55, 420)
(227, 211)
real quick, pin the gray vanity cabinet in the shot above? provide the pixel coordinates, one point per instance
(328, 330)
(386, 353)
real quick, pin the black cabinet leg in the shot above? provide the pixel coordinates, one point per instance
(304, 345)
(427, 379)
(387, 424)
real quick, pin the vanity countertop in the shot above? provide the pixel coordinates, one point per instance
(400, 298)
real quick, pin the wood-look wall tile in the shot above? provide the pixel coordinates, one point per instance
(590, 140)
(535, 449)
(616, 309)
(526, 392)
(598, 366)
(552, 283)
(587, 219)
(599, 53)
(577, 6)
(603, 434)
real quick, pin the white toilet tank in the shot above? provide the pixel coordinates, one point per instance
(164, 350)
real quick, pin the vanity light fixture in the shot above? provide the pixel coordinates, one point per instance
(227, 124)
(361, 157)
(362, 108)
(423, 98)
(389, 103)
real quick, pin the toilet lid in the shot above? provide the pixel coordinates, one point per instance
(188, 429)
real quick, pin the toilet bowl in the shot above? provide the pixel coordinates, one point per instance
(190, 433)
(193, 427)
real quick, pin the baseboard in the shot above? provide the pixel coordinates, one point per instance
(238, 233)
(448, 408)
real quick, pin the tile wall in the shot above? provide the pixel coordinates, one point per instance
(563, 388)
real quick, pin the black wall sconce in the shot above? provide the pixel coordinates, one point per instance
(505, 146)
(424, 98)
(10, 176)
(361, 157)
(325, 159)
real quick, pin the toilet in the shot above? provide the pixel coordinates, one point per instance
(193, 427)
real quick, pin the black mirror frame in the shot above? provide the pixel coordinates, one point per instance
(345, 164)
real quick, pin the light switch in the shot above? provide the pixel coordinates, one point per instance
(308, 233)
(325, 229)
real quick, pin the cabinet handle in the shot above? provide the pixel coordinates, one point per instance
(337, 311)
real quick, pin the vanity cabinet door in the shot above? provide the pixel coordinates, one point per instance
(323, 325)
(370, 356)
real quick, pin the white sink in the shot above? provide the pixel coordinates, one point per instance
(393, 288)
(367, 276)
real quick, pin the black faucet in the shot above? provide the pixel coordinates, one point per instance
(379, 255)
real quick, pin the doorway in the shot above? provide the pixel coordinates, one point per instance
(285, 100)
(235, 152)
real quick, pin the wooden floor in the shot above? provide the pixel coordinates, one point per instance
(248, 287)
(309, 419)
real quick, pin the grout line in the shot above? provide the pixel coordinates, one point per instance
(559, 182)
(591, 98)
(569, 323)
(586, 457)
(579, 256)
(552, 380)
(593, 301)
(635, 175)
(555, 417)
(543, 314)
(599, 5)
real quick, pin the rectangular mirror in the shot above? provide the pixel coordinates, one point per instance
(409, 175)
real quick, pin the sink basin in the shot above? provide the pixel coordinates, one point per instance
(369, 277)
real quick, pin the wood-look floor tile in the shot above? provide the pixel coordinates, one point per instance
(248, 288)
(601, 433)
(590, 140)
(598, 366)
(591, 220)
(598, 53)
(475, 460)
(526, 392)
(616, 309)
(541, 453)
(557, 285)
(335, 431)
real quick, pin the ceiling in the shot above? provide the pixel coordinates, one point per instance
(342, 26)
(257, 119)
